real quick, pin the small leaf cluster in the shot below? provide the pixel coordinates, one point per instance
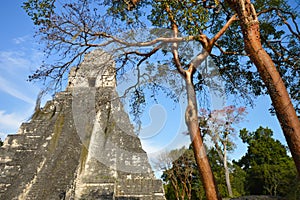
(40, 11)
(191, 16)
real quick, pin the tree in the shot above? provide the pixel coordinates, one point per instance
(181, 175)
(219, 125)
(276, 88)
(182, 179)
(269, 169)
(70, 30)
(178, 168)
(237, 175)
(284, 55)
(238, 179)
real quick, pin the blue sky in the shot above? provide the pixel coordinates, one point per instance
(20, 55)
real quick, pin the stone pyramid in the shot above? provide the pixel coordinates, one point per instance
(80, 145)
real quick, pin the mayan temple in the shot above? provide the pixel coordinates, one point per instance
(80, 145)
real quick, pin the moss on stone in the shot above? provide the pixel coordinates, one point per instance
(59, 123)
(45, 113)
(83, 157)
(85, 145)
(37, 114)
(88, 131)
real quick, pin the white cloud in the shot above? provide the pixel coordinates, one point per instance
(10, 60)
(20, 63)
(9, 122)
(9, 88)
(150, 147)
(15, 67)
(154, 147)
(21, 39)
(16, 64)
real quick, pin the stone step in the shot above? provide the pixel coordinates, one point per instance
(5, 158)
(138, 187)
(3, 187)
(103, 191)
(32, 127)
(6, 155)
(62, 96)
(18, 156)
(8, 172)
(26, 127)
(16, 141)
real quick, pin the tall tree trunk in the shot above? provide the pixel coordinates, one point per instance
(191, 118)
(227, 177)
(223, 157)
(174, 183)
(189, 190)
(285, 111)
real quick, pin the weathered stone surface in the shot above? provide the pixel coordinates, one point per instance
(258, 197)
(81, 145)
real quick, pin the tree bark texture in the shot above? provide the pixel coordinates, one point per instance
(227, 174)
(191, 118)
(285, 111)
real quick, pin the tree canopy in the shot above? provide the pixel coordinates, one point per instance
(219, 125)
(265, 169)
(182, 180)
(70, 29)
(269, 168)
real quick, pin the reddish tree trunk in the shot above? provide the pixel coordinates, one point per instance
(285, 111)
(191, 118)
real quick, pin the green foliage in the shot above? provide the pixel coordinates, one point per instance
(237, 175)
(265, 169)
(186, 165)
(125, 10)
(218, 169)
(181, 177)
(238, 180)
(269, 169)
(69, 30)
(191, 16)
(294, 190)
(169, 192)
(280, 37)
(40, 11)
(137, 103)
